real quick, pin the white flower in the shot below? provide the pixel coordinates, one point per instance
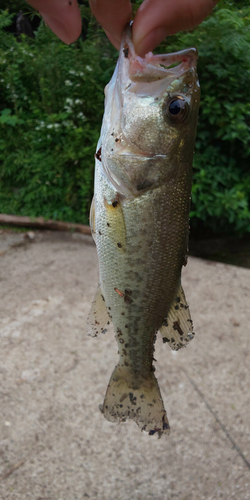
(68, 82)
(78, 101)
(72, 72)
(88, 68)
(67, 123)
(50, 125)
(81, 115)
(69, 101)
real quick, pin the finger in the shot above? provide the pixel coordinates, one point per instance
(156, 19)
(62, 16)
(113, 15)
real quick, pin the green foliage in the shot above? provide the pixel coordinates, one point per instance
(51, 106)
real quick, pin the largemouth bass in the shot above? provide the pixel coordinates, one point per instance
(140, 222)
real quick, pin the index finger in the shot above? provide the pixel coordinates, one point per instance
(113, 15)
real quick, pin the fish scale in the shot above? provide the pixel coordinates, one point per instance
(139, 219)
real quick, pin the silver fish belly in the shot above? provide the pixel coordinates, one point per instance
(140, 222)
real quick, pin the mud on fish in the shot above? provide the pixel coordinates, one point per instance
(140, 222)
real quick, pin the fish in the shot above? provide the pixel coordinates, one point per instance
(139, 219)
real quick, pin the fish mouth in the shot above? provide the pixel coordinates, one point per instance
(155, 67)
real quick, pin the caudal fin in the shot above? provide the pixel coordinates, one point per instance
(132, 396)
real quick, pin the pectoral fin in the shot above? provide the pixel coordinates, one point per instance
(177, 327)
(98, 318)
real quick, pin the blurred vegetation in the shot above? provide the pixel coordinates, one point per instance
(51, 106)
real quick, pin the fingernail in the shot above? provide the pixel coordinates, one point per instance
(150, 41)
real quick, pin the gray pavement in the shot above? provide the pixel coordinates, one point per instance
(54, 442)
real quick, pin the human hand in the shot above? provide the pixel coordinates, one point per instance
(154, 20)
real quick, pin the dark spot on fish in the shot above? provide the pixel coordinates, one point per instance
(177, 299)
(144, 185)
(177, 327)
(126, 326)
(119, 245)
(121, 341)
(165, 322)
(150, 404)
(109, 308)
(122, 314)
(117, 139)
(126, 345)
(103, 298)
(115, 203)
(165, 424)
(125, 52)
(127, 299)
(151, 433)
(108, 224)
(165, 339)
(132, 398)
(125, 363)
(100, 233)
(98, 154)
(177, 307)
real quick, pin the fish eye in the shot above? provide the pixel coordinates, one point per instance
(176, 109)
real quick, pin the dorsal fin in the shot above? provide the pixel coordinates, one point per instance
(177, 327)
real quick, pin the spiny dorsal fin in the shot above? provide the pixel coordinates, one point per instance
(177, 327)
(98, 318)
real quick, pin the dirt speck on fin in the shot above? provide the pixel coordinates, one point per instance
(177, 327)
(132, 396)
(98, 318)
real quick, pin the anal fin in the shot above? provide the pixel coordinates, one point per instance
(98, 318)
(177, 327)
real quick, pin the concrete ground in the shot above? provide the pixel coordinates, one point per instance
(54, 442)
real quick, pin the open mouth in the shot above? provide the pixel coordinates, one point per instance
(155, 67)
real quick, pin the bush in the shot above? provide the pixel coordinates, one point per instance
(52, 105)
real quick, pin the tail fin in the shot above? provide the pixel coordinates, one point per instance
(130, 395)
